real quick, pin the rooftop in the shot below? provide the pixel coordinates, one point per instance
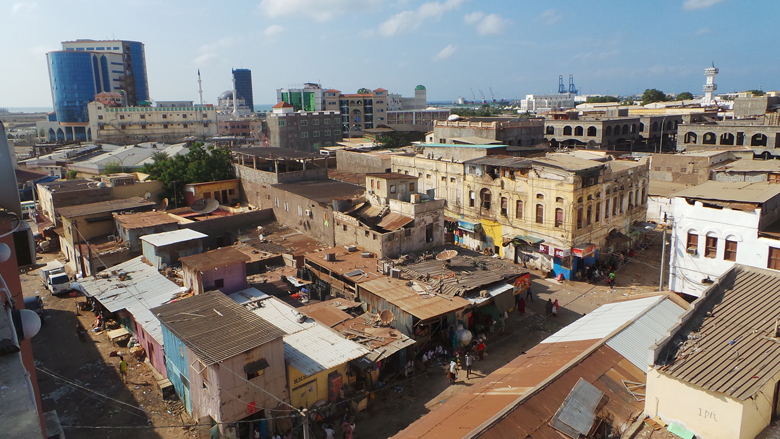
(267, 152)
(423, 307)
(319, 348)
(70, 185)
(143, 289)
(214, 182)
(745, 192)
(501, 160)
(104, 207)
(747, 165)
(473, 140)
(383, 341)
(322, 191)
(220, 257)
(391, 176)
(727, 343)
(144, 219)
(173, 237)
(451, 145)
(351, 265)
(215, 327)
(330, 312)
(664, 188)
(567, 163)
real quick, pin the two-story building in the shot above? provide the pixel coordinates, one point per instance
(718, 224)
(223, 269)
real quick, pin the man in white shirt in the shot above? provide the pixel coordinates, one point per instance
(469, 361)
(453, 371)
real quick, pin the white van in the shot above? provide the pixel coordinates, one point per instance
(54, 277)
(52, 267)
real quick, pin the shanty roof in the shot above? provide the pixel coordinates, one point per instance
(144, 219)
(501, 160)
(172, 237)
(727, 343)
(220, 257)
(322, 191)
(568, 163)
(392, 176)
(215, 327)
(521, 398)
(330, 312)
(758, 192)
(319, 348)
(105, 207)
(394, 221)
(423, 307)
(282, 315)
(383, 341)
(468, 271)
(143, 289)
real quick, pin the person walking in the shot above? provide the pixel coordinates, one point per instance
(469, 361)
(555, 308)
(347, 429)
(528, 295)
(453, 372)
(548, 307)
(481, 350)
(612, 279)
(521, 305)
(123, 369)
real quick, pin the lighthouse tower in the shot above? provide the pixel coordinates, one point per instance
(710, 86)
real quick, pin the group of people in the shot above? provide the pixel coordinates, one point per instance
(593, 273)
(551, 308)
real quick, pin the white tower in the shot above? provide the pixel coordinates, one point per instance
(710, 87)
(200, 88)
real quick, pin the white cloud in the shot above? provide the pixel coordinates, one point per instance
(319, 10)
(689, 5)
(23, 7)
(410, 20)
(211, 51)
(703, 31)
(444, 53)
(551, 16)
(473, 18)
(596, 56)
(272, 30)
(492, 24)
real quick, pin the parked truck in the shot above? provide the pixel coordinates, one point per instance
(54, 277)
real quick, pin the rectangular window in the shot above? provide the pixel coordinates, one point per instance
(711, 247)
(692, 245)
(183, 116)
(336, 132)
(774, 258)
(730, 252)
(471, 198)
(378, 185)
(100, 117)
(219, 283)
(518, 209)
(276, 202)
(579, 218)
(411, 187)
(282, 123)
(392, 188)
(286, 206)
(504, 207)
(300, 211)
(326, 121)
(315, 122)
(598, 212)
(304, 123)
(304, 134)
(121, 117)
(165, 116)
(327, 133)
(143, 116)
(316, 134)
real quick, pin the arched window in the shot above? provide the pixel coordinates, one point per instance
(579, 200)
(630, 200)
(691, 137)
(550, 130)
(559, 217)
(606, 209)
(484, 198)
(625, 129)
(644, 195)
(504, 207)
(579, 131)
(608, 131)
(641, 126)
(589, 216)
(655, 126)
(540, 214)
(709, 138)
(579, 218)
(726, 139)
(591, 131)
(598, 212)
(758, 140)
(567, 130)
(540, 196)
(614, 206)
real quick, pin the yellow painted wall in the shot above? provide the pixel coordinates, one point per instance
(138, 189)
(494, 230)
(707, 414)
(299, 391)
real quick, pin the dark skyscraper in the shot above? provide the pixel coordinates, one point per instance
(243, 79)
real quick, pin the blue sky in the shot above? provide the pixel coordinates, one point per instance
(516, 47)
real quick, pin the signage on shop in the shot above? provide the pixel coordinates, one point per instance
(562, 252)
(544, 249)
(584, 251)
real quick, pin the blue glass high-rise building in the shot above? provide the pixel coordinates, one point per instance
(85, 68)
(243, 79)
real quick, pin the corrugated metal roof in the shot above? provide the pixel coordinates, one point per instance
(493, 291)
(727, 345)
(248, 295)
(635, 341)
(423, 307)
(567, 163)
(145, 289)
(105, 207)
(319, 348)
(283, 316)
(144, 219)
(501, 160)
(602, 321)
(215, 327)
(173, 237)
(220, 257)
(394, 221)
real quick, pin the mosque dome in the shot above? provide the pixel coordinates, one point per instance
(420, 87)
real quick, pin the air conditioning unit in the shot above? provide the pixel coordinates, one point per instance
(692, 251)
(395, 273)
(307, 212)
(330, 257)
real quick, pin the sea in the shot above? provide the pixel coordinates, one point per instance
(25, 110)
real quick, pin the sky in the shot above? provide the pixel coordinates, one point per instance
(515, 47)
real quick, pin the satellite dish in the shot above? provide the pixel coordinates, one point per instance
(386, 317)
(164, 205)
(148, 196)
(205, 205)
(446, 255)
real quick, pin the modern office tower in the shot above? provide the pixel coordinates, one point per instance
(243, 81)
(306, 98)
(84, 68)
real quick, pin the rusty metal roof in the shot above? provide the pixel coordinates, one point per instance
(144, 219)
(322, 191)
(423, 307)
(131, 203)
(728, 342)
(394, 221)
(329, 312)
(220, 257)
(215, 327)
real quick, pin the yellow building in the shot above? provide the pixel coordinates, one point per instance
(717, 373)
(125, 125)
(224, 191)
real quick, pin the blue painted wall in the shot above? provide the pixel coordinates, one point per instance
(176, 366)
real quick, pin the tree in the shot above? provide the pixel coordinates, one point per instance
(684, 96)
(159, 156)
(599, 99)
(112, 168)
(198, 165)
(756, 92)
(72, 174)
(363, 91)
(652, 95)
(400, 139)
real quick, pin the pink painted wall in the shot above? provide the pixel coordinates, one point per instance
(233, 276)
(155, 355)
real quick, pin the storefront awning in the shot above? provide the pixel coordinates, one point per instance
(643, 226)
(583, 250)
(618, 238)
(523, 240)
(469, 227)
(492, 292)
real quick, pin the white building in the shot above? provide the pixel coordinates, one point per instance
(126, 125)
(550, 102)
(718, 224)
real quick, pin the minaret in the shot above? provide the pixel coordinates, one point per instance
(235, 104)
(200, 88)
(709, 87)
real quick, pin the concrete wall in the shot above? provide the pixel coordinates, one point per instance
(290, 210)
(692, 137)
(213, 190)
(607, 132)
(139, 189)
(300, 385)
(361, 163)
(133, 236)
(707, 414)
(446, 177)
(731, 175)
(154, 352)
(659, 206)
(256, 183)
(51, 200)
(516, 133)
(170, 254)
(233, 276)
(219, 228)
(686, 169)
(688, 270)
(461, 153)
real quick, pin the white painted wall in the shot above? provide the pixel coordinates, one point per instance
(687, 271)
(657, 207)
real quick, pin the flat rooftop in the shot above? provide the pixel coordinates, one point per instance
(220, 257)
(70, 185)
(104, 207)
(144, 219)
(758, 192)
(460, 145)
(567, 163)
(322, 191)
(277, 153)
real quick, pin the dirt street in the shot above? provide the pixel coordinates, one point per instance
(81, 381)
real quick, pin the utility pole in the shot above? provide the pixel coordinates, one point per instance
(663, 252)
